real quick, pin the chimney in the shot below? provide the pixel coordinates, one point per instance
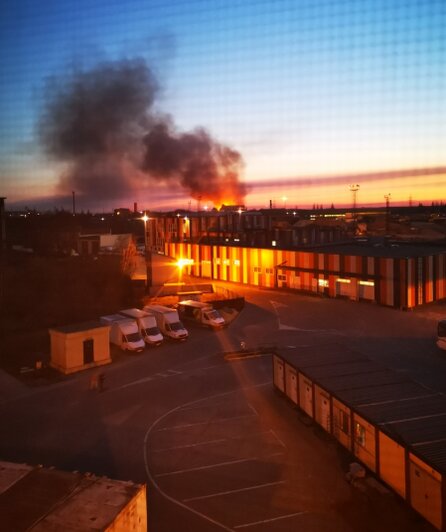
(135, 207)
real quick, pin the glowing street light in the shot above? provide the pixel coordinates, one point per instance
(181, 263)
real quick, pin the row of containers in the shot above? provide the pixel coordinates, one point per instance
(391, 424)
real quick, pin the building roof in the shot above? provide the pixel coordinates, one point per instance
(79, 327)
(378, 248)
(42, 499)
(406, 410)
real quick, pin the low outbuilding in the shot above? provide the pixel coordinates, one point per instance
(80, 346)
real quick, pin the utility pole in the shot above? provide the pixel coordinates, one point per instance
(387, 198)
(354, 190)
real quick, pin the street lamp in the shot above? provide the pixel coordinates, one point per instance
(148, 253)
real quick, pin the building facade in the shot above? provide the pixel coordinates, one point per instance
(395, 276)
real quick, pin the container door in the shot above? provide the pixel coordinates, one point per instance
(325, 419)
(306, 395)
(279, 377)
(425, 492)
(392, 464)
(88, 351)
(291, 383)
(364, 444)
(341, 424)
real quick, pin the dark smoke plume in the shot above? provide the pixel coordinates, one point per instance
(101, 123)
(207, 169)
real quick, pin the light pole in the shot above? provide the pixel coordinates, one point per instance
(148, 252)
(387, 198)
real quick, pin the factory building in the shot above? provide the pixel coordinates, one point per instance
(395, 275)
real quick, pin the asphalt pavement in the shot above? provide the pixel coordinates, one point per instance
(218, 448)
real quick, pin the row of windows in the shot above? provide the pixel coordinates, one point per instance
(359, 430)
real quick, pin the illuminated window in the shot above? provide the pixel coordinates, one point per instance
(367, 283)
(360, 434)
(226, 262)
(323, 283)
(236, 262)
(346, 281)
(217, 261)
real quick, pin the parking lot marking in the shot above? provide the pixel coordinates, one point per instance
(207, 422)
(166, 375)
(269, 520)
(253, 409)
(210, 466)
(150, 429)
(203, 405)
(187, 446)
(278, 439)
(220, 493)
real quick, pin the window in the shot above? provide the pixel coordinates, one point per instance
(269, 271)
(281, 277)
(323, 283)
(367, 283)
(257, 269)
(343, 422)
(360, 434)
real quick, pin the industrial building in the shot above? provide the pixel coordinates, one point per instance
(275, 248)
(395, 275)
(392, 425)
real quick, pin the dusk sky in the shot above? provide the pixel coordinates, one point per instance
(313, 95)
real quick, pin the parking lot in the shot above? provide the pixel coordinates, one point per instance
(217, 447)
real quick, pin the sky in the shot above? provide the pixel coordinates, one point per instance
(315, 95)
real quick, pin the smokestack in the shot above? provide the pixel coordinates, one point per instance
(74, 202)
(135, 207)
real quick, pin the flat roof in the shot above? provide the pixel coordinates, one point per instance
(37, 498)
(323, 354)
(79, 327)
(405, 409)
(402, 408)
(379, 249)
(422, 430)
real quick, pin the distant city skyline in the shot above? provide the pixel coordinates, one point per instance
(314, 95)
